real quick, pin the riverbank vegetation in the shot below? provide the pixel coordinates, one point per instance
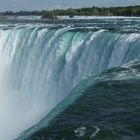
(96, 11)
(91, 11)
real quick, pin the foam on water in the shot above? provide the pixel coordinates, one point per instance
(39, 66)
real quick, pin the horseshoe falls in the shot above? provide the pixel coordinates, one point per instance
(49, 72)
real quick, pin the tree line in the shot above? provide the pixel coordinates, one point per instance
(112, 11)
(90, 11)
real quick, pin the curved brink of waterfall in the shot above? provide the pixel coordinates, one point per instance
(105, 107)
(41, 65)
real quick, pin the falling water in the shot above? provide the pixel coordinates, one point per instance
(40, 65)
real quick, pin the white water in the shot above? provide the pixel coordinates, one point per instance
(40, 66)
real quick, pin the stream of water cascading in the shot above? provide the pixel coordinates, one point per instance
(39, 67)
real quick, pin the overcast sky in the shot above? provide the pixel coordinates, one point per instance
(17, 5)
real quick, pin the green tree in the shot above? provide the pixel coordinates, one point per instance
(49, 15)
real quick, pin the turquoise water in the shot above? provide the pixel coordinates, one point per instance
(107, 109)
(70, 80)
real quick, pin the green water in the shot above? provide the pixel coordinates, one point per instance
(110, 107)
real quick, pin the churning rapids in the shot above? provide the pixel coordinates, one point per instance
(40, 64)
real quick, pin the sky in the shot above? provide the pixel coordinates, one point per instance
(16, 5)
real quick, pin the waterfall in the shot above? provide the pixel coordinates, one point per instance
(39, 66)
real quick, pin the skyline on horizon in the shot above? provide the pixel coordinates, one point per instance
(17, 5)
